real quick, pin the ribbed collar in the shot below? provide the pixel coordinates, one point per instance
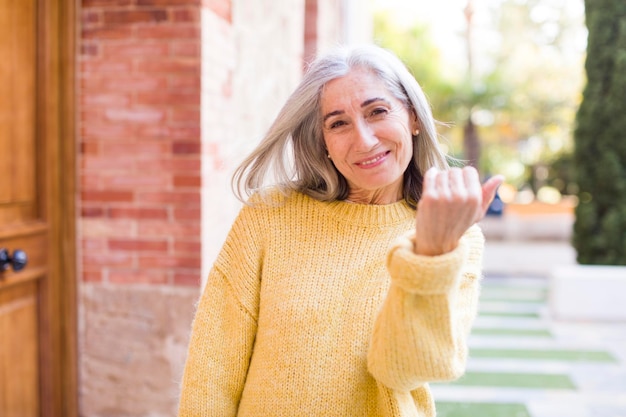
(365, 214)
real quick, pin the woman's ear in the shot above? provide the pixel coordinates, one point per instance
(415, 127)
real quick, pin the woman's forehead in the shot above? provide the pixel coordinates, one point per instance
(358, 84)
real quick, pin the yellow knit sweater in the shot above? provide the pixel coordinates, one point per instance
(322, 309)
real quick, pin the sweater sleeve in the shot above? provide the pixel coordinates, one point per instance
(224, 326)
(420, 334)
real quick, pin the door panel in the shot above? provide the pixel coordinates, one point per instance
(22, 226)
(17, 109)
(19, 355)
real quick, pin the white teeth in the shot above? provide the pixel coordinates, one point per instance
(371, 161)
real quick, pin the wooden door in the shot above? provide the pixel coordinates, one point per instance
(36, 345)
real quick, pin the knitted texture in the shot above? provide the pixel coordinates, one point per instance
(323, 309)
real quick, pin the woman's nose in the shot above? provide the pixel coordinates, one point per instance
(365, 139)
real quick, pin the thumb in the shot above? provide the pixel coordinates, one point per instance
(489, 191)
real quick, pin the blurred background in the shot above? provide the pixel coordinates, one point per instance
(505, 78)
(122, 122)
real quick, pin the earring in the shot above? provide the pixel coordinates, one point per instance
(416, 132)
(328, 155)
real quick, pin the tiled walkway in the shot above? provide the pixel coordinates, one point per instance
(524, 364)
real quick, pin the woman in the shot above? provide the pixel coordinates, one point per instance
(348, 285)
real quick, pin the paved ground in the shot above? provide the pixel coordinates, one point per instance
(523, 363)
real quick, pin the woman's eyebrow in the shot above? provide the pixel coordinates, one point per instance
(364, 104)
(373, 100)
(332, 113)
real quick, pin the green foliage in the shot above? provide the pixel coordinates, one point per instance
(600, 139)
(417, 50)
(522, 94)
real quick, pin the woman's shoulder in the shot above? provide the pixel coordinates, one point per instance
(273, 198)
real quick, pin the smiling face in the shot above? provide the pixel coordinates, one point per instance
(367, 132)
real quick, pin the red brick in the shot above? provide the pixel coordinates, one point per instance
(97, 258)
(97, 163)
(125, 17)
(135, 181)
(138, 213)
(90, 181)
(130, 245)
(187, 214)
(171, 261)
(94, 244)
(186, 148)
(163, 131)
(107, 196)
(168, 2)
(105, 131)
(101, 228)
(168, 32)
(118, 32)
(187, 116)
(135, 115)
(137, 149)
(112, 84)
(186, 15)
(89, 148)
(87, 49)
(102, 100)
(173, 165)
(172, 230)
(191, 82)
(101, 3)
(172, 65)
(187, 278)
(190, 48)
(91, 116)
(90, 17)
(102, 66)
(187, 181)
(92, 211)
(137, 276)
(170, 197)
(136, 49)
(189, 248)
(92, 276)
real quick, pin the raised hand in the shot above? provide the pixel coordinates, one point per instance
(451, 202)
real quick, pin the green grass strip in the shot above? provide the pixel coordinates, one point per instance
(454, 409)
(560, 355)
(516, 380)
(479, 331)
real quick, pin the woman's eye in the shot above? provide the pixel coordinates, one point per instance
(337, 124)
(378, 111)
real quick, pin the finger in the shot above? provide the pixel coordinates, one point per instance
(443, 185)
(489, 189)
(472, 181)
(457, 183)
(429, 183)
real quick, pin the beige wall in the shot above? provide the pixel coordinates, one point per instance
(260, 61)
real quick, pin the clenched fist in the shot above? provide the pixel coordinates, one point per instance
(451, 202)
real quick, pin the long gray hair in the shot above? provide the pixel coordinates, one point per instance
(292, 156)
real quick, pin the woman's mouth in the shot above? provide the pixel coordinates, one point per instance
(374, 161)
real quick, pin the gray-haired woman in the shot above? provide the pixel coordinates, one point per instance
(350, 278)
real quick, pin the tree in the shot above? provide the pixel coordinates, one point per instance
(514, 91)
(600, 139)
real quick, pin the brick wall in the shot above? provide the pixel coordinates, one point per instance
(140, 141)
(140, 172)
